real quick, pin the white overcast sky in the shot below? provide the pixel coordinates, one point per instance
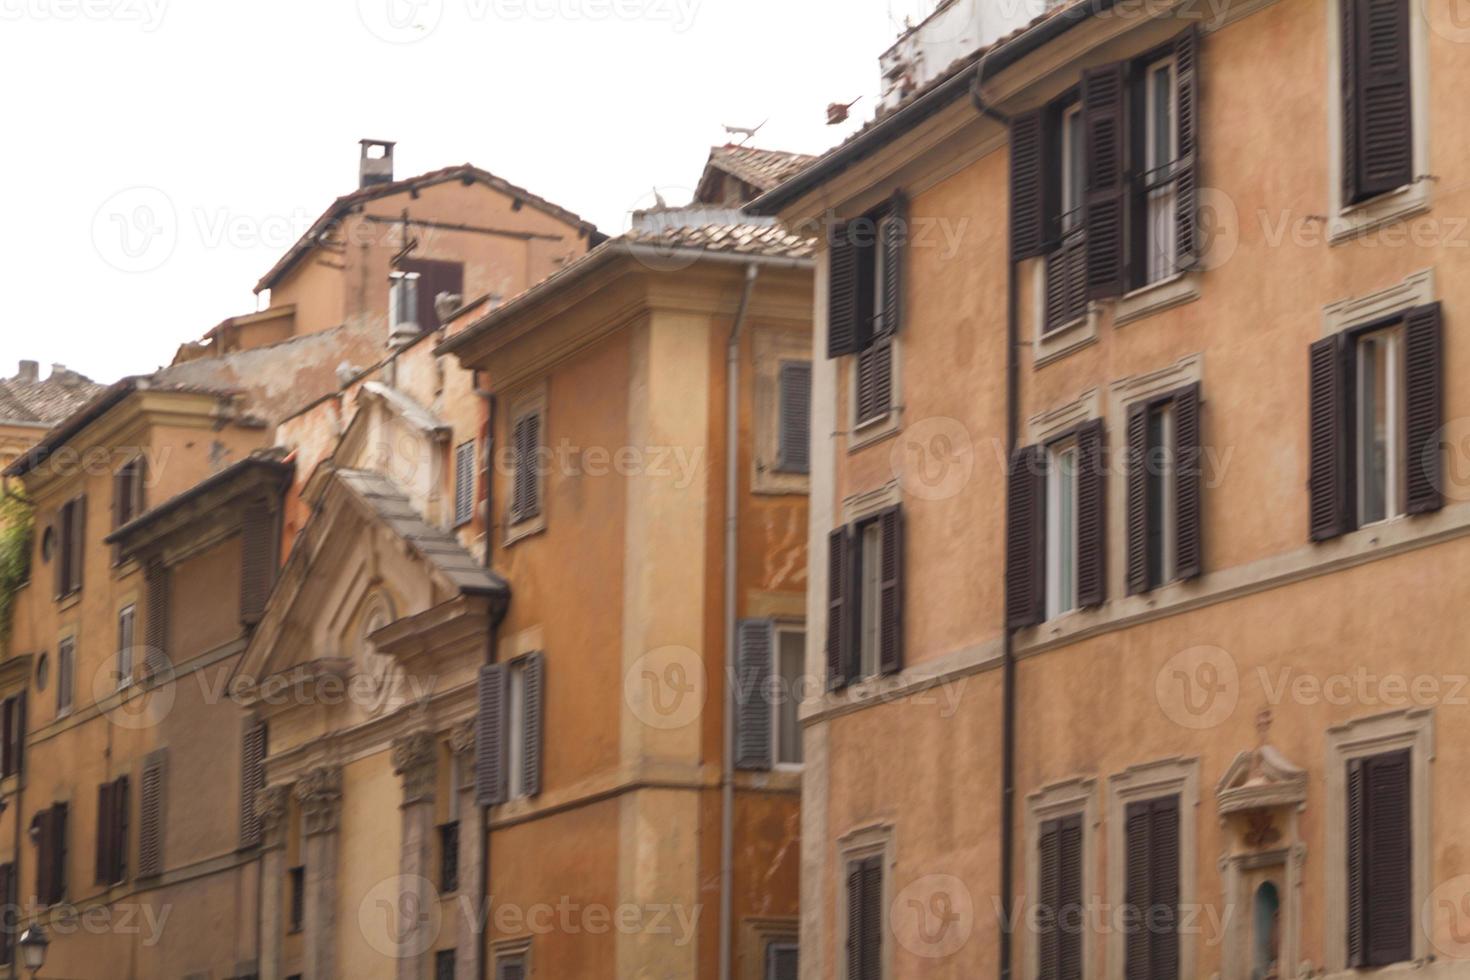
(231, 125)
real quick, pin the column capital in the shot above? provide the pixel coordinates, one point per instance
(320, 794)
(271, 806)
(462, 739)
(414, 758)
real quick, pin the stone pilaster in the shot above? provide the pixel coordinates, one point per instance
(272, 806)
(471, 851)
(319, 794)
(414, 760)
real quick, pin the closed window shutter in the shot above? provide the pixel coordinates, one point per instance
(893, 237)
(1187, 245)
(839, 610)
(1388, 911)
(1049, 877)
(1025, 538)
(464, 483)
(490, 736)
(526, 502)
(1092, 481)
(1188, 476)
(871, 947)
(1378, 124)
(874, 381)
(257, 561)
(1356, 859)
(105, 834)
(45, 829)
(155, 658)
(1164, 889)
(1424, 373)
(890, 592)
(61, 557)
(1066, 282)
(58, 852)
(1060, 877)
(1137, 500)
(252, 780)
(1105, 201)
(1137, 890)
(756, 640)
(20, 733)
(855, 922)
(533, 722)
(782, 962)
(122, 807)
(793, 454)
(150, 815)
(512, 970)
(1328, 486)
(845, 333)
(1028, 196)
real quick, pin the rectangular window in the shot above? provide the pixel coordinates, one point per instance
(1380, 860)
(873, 374)
(444, 965)
(127, 496)
(1059, 915)
(525, 499)
(49, 831)
(70, 551)
(870, 620)
(1151, 888)
(12, 734)
(112, 832)
(296, 882)
(464, 483)
(781, 961)
(518, 746)
(790, 673)
(1073, 168)
(403, 304)
(793, 417)
(449, 857)
(865, 599)
(1162, 495)
(510, 968)
(1377, 97)
(66, 653)
(865, 303)
(1161, 150)
(1066, 262)
(1061, 528)
(1379, 462)
(865, 919)
(126, 637)
(9, 914)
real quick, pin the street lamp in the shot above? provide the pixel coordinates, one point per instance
(33, 943)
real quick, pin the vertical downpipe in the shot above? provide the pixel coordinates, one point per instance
(482, 905)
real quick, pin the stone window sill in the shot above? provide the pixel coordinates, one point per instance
(525, 529)
(1357, 220)
(873, 430)
(1059, 341)
(1182, 287)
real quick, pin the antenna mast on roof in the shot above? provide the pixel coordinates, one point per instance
(747, 134)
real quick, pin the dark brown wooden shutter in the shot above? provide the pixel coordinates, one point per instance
(756, 641)
(252, 780)
(1025, 538)
(890, 591)
(1423, 381)
(1187, 246)
(122, 808)
(782, 962)
(20, 733)
(526, 500)
(1356, 845)
(874, 381)
(1329, 500)
(1060, 877)
(1136, 883)
(893, 242)
(1163, 867)
(61, 552)
(846, 334)
(257, 561)
(9, 743)
(155, 632)
(1050, 881)
(44, 825)
(1028, 185)
(435, 277)
(464, 483)
(106, 835)
(1066, 283)
(1137, 500)
(77, 558)
(855, 920)
(865, 919)
(58, 852)
(1378, 128)
(1105, 203)
(1188, 478)
(793, 453)
(150, 815)
(1388, 898)
(490, 779)
(533, 722)
(1092, 516)
(840, 625)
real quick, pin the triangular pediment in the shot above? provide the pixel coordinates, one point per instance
(1262, 777)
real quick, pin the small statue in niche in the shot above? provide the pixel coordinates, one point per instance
(1266, 933)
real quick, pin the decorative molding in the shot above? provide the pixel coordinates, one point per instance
(1053, 422)
(319, 793)
(1049, 345)
(1060, 799)
(462, 739)
(414, 759)
(1167, 293)
(869, 502)
(1260, 779)
(1416, 289)
(868, 840)
(1138, 387)
(272, 804)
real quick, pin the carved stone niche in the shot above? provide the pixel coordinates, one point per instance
(1259, 799)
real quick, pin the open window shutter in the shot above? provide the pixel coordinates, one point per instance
(20, 733)
(872, 942)
(45, 827)
(793, 453)
(1137, 895)
(105, 833)
(533, 722)
(1137, 500)
(1424, 373)
(893, 238)
(757, 640)
(1188, 476)
(845, 334)
(435, 277)
(1105, 202)
(1356, 934)
(79, 543)
(155, 658)
(1388, 912)
(839, 619)
(1164, 888)
(1069, 897)
(1327, 482)
(252, 780)
(1028, 195)
(1187, 246)
(58, 853)
(1376, 80)
(1092, 544)
(1050, 882)
(61, 555)
(855, 922)
(122, 807)
(490, 736)
(150, 815)
(1025, 538)
(890, 592)
(9, 743)
(464, 483)
(257, 561)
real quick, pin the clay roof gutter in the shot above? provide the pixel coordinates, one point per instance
(999, 55)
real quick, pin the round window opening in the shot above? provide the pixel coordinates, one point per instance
(48, 544)
(43, 671)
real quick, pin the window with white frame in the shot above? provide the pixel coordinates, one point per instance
(789, 670)
(1161, 150)
(1378, 437)
(403, 303)
(1073, 170)
(1161, 460)
(126, 635)
(66, 654)
(1061, 527)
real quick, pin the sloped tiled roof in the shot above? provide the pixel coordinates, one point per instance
(761, 169)
(439, 548)
(45, 402)
(771, 241)
(467, 172)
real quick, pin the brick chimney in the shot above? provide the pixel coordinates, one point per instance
(375, 165)
(29, 371)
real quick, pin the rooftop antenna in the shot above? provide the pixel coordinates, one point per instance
(748, 134)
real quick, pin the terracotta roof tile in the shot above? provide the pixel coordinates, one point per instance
(45, 402)
(762, 169)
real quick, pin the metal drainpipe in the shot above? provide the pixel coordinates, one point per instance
(732, 527)
(1008, 653)
(482, 905)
